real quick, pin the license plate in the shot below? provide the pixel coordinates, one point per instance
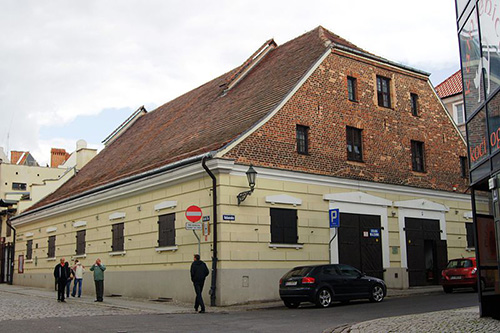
(291, 283)
(456, 278)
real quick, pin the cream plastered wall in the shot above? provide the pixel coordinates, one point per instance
(249, 267)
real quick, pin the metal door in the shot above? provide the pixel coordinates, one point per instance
(360, 243)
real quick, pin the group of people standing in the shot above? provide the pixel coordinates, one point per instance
(64, 274)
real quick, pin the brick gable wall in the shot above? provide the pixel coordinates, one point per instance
(322, 104)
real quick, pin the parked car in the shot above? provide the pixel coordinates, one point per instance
(324, 284)
(460, 273)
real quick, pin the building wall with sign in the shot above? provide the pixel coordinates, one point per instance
(249, 263)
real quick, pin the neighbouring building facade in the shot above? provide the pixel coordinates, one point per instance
(23, 182)
(478, 28)
(450, 92)
(325, 124)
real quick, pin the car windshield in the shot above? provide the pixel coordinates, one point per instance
(460, 263)
(297, 272)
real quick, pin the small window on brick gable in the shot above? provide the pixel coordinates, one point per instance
(80, 242)
(29, 249)
(51, 251)
(384, 91)
(352, 88)
(118, 243)
(464, 167)
(417, 156)
(284, 226)
(166, 230)
(302, 139)
(414, 104)
(354, 144)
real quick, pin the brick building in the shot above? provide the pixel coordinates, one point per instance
(326, 125)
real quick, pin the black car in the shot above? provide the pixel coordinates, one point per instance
(327, 283)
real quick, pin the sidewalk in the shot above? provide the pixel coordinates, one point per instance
(165, 306)
(459, 320)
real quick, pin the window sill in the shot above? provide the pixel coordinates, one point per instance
(166, 248)
(52, 259)
(78, 256)
(117, 253)
(286, 246)
(356, 161)
(353, 100)
(470, 249)
(27, 261)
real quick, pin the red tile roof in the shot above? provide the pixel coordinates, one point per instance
(451, 86)
(204, 119)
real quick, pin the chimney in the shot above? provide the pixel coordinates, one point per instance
(57, 157)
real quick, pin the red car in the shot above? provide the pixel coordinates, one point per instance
(460, 273)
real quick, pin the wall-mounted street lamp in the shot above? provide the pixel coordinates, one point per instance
(251, 175)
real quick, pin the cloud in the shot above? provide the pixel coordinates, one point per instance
(63, 60)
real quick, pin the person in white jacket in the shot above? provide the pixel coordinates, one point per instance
(78, 270)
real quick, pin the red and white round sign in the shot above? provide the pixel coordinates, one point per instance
(193, 213)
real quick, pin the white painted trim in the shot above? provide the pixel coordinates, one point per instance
(29, 234)
(79, 224)
(28, 261)
(78, 256)
(283, 199)
(350, 184)
(286, 246)
(468, 215)
(418, 214)
(51, 229)
(358, 197)
(421, 204)
(117, 216)
(165, 205)
(117, 253)
(285, 100)
(166, 248)
(51, 259)
(357, 207)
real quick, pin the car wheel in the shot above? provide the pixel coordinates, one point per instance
(291, 305)
(448, 290)
(324, 298)
(377, 293)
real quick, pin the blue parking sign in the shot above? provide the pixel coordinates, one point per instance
(334, 218)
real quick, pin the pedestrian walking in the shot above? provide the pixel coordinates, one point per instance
(62, 274)
(98, 268)
(199, 271)
(78, 270)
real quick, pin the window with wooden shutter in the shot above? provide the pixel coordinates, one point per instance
(284, 226)
(469, 228)
(166, 230)
(80, 242)
(51, 252)
(118, 239)
(29, 249)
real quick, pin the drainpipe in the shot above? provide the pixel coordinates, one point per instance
(11, 276)
(214, 209)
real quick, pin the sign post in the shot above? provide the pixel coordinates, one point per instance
(194, 214)
(334, 218)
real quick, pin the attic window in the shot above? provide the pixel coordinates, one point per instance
(19, 186)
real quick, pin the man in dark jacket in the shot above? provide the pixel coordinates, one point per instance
(199, 272)
(62, 275)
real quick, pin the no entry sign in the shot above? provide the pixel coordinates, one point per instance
(193, 213)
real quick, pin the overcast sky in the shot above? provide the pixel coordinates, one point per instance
(75, 70)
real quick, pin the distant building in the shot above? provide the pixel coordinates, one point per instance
(23, 183)
(450, 92)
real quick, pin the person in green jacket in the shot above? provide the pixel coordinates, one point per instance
(98, 268)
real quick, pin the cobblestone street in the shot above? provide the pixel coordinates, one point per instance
(14, 306)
